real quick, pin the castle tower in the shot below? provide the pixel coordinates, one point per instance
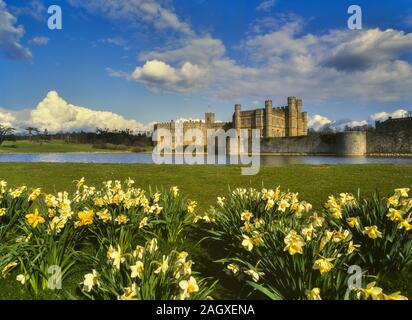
(268, 114)
(304, 123)
(299, 117)
(209, 118)
(237, 118)
(292, 117)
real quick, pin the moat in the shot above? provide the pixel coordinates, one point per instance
(147, 158)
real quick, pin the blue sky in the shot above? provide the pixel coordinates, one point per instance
(152, 60)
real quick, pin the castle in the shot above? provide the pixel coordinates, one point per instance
(287, 121)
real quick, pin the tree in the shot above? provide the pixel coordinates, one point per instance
(4, 131)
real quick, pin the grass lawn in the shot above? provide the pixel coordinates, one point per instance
(54, 146)
(205, 183)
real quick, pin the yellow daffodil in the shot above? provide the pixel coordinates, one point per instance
(352, 247)
(323, 265)
(270, 204)
(143, 223)
(130, 293)
(294, 243)
(175, 191)
(283, 205)
(85, 218)
(395, 215)
(234, 268)
(313, 294)
(91, 280)
(163, 266)
(57, 224)
(191, 206)
(372, 292)
(393, 201)
(246, 216)
(2, 212)
(122, 219)
(35, 218)
(353, 222)
(373, 232)
(8, 267)
(340, 235)
(221, 201)
(188, 286)
(138, 252)
(104, 215)
(405, 224)
(247, 243)
(153, 245)
(137, 269)
(402, 192)
(308, 232)
(316, 220)
(34, 194)
(395, 296)
(116, 257)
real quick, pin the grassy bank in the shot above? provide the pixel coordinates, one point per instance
(60, 146)
(205, 183)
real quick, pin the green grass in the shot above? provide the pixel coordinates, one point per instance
(205, 183)
(52, 146)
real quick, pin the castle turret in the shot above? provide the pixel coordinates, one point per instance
(237, 118)
(209, 117)
(292, 117)
(268, 113)
(299, 117)
(304, 123)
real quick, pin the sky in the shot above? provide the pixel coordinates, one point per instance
(129, 63)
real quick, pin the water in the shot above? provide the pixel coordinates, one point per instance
(147, 158)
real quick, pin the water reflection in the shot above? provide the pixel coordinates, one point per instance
(147, 158)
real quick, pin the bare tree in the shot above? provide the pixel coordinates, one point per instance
(4, 131)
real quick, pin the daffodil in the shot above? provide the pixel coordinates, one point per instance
(138, 252)
(395, 296)
(85, 218)
(57, 224)
(104, 215)
(313, 294)
(308, 232)
(35, 218)
(371, 292)
(163, 266)
(247, 243)
(122, 219)
(191, 206)
(372, 232)
(175, 191)
(2, 212)
(91, 280)
(270, 204)
(324, 265)
(188, 286)
(254, 274)
(234, 268)
(352, 247)
(283, 205)
(395, 215)
(402, 192)
(22, 278)
(34, 194)
(143, 223)
(153, 245)
(393, 201)
(246, 216)
(316, 221)
(405, 224)
(221, 201)
(137, 269)
(294, 243)
(130, 293)
(353, 222)
(8, 267)
(116, 257)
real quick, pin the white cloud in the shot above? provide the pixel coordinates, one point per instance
(382, 116)
(55, 114)
(40, 41)
(136, 11)
(34, 9)
(155, 74)
(317, 122)
(10, 36)
(266, 5)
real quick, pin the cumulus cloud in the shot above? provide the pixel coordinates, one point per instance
(10, 36)
(266, 5)
(137, 11)
(155, 73)
(55, 114)
(40, 41)
(34, 9)
(317, 122)
(382, 116)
